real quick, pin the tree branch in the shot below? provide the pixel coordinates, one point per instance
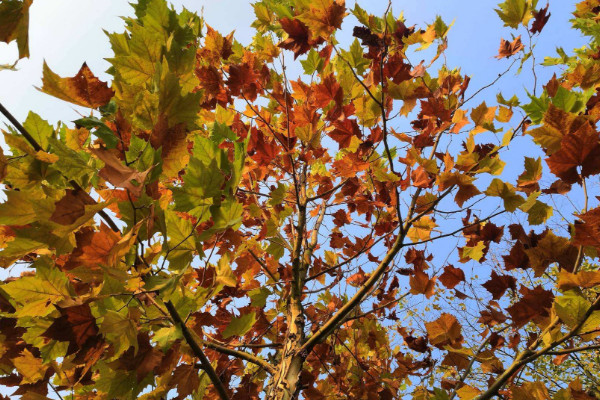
(212, 374)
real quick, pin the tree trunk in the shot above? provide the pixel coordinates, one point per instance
(285, 384)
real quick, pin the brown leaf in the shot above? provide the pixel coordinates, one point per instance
(75, 325)
(582, 279)
(535, 304)
(420, 283)
(587, 231)
(299, 39)
(120, 175)
(540, 19)
(577, 149)
(71, 207)
(84, 89)
(498, 284)
(444, 331)
(452, 276)
(507, 49)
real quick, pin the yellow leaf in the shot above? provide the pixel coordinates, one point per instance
(30, 367)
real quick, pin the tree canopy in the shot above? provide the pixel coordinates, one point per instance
(215, 228)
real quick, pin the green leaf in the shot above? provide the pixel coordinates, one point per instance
(571, 308)
(49, 284)
(120, 330)
(100, 130)
(17, 210)
(239, 326)
(39, 129)
(506, 192)
(515, 12)
(313, 63)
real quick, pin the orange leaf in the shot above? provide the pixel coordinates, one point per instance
(84, 89)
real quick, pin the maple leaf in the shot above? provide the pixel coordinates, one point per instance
(533, 305)
(452, 276)
(498, 284)
(367, 37)
(299, 39)
(577, 149)
(14, 24)
(587, 232)
(541, 17)
(420, 283)
(508, 49)
(71, 207)
(75, 325)
(344, 131)
(121, 175)
(84, 89)
(446, 330)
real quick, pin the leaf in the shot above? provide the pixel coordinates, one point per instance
(30, 367)
(71, 207)
(84, 89)
(49, 285)
(446, 330)
(571, 308)
(508, 49)
(39, 129)
(420, 283)
(121, 330)
(582, 279)
(515, 12)
(121, 175)
(225, 275)
(14, 24)
(541, 17)
(506, 192)
(577, 149)
(76, 325)
(473, 252)
(239, 326)
(530, 391)
(534, 304)
(421, 229)
(299, 39)
(452, 276)
(498, 284)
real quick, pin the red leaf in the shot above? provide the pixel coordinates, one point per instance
(299, 40)
(344, 131)
(452, 276)
(498, 284)
(533, 305)
(541, 18)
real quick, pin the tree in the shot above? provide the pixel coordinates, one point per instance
(215, 230)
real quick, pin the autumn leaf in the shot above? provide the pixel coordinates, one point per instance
(446, 330)
(71, 207)
(14, 24)
(508, 49)
(541, 17)
(299, 39)
(452, 276)
(84, 89)
(120, 175)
